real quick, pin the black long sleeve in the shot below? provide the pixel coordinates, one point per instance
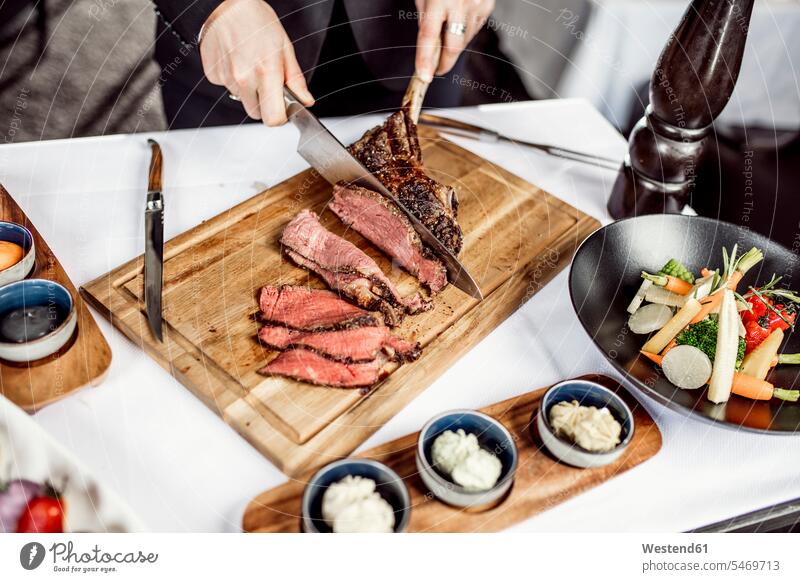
(185, 18)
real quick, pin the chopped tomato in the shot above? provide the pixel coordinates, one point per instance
(762, 320)
(754, 335)
(43, 514)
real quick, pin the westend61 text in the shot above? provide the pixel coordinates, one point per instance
(675, 549)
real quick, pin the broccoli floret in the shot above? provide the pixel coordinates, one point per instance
(703, 336)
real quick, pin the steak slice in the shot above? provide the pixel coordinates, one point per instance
(388, 228)
(391, 152)
(346, 268)
(308, 366)
(311, 309)
(357, 344)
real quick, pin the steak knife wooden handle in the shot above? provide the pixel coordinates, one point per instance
(156, 161)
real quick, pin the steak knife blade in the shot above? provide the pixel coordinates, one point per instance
(328, 156)
(154, 242)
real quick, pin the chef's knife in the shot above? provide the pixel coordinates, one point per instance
(463, 129)
(154, 242)
(328, 156)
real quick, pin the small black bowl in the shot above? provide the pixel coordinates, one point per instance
(605, 275)
(387, 483)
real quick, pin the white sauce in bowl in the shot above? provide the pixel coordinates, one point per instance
(460, 455)
(353, 506)
(587, 426)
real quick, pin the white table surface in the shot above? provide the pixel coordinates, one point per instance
(620, 41)
(182, 469)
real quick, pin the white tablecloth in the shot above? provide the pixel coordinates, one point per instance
(620, 41)
(181, 468)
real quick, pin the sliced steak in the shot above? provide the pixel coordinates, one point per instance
(388, 228)
(308, 366)
(358, 344)
(346, 268)
(391, 152)
(311, 309)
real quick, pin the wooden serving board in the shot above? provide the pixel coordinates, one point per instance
(517, 237)
(541, 482)
(84, 362)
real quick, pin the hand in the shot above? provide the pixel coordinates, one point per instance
(437, 13)
(244, 47)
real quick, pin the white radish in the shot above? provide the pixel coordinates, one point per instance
(687, 367)
(636, 302)
(660, 295)
(673, 327)
(719, 387)
(649, 318)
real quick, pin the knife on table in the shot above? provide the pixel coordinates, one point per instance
(328, 156)
(154, 242)
(463, 129)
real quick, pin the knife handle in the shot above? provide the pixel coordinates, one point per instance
(156, 163)
(291, 101)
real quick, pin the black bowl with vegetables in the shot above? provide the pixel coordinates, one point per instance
(748, 392)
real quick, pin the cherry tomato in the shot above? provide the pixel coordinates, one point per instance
(43, 514)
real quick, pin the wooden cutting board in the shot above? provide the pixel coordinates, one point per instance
(83, 362)
(541, 482)
(517, 237)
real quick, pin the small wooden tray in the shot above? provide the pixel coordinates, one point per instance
(83, 363)
(541, 482)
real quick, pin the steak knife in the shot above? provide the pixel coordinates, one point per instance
(154, 242)
(328, 156)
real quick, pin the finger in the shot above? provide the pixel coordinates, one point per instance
(213, 63)
(428, 38)
(245, 88)
(453, 43)
(295, 79)
(478, 14)
(270, 93)
(483, 10)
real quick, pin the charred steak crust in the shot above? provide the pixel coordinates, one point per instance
(380, 221)
(393, 154)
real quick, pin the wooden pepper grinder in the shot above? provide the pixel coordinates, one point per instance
(692, 83)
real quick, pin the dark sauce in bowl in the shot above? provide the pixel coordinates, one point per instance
(29, 323)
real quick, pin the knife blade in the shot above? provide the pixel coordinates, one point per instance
(154, 242)
(463, 129)
(328, 156)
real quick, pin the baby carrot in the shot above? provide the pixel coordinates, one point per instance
(655, 358)
(707, 305)
(669, 283)
(755, 389)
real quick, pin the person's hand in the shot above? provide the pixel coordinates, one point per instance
(433, 14)
(244, 47)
